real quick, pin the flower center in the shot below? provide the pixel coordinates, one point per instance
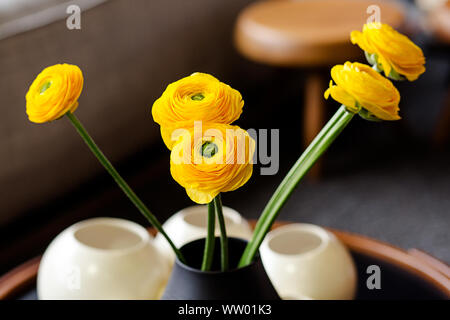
(45, 86)
(198, 97)
(209, 149)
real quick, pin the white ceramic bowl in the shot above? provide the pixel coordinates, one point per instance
(305, 261)
(190, 224)
(102, 258)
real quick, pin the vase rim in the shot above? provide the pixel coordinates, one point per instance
(200, 210)
(143, 238)
(215, 272)
(302, 228)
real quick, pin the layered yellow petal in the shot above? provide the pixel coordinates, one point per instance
(198, 97)
(340, 95)
(393, 50)
(219, 159)
(358, 85)
(54, 92)
(201, 196)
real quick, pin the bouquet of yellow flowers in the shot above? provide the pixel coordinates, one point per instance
(209, 155)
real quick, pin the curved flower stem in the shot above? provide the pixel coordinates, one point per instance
(330, 124)
(122, 184)
(208, 253)
(223, 233)
(317, 147)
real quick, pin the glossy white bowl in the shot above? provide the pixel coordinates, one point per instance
(102, 258)
(190, 224)
(305, 261)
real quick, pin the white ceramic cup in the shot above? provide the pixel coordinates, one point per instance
(190, 224)
(305, 261)
(102, 258)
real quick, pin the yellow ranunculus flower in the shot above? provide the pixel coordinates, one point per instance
(198, 97)
(54, 92)
(359, 86)
(212, 158)
(392, 51)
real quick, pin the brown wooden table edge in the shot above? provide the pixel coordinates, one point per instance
(400, 258)
(16, 280)
(415, 261)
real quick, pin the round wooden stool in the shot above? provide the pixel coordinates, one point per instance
(309, 34)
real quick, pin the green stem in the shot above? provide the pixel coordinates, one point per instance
(122, 184)
(208, 253)
(317, 147)
(223, 233)
(328, 126)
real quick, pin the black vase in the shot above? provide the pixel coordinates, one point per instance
(188, 282)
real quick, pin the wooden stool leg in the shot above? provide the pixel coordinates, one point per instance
(442, 131)
(314, 114)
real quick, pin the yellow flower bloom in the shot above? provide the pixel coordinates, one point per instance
(392, 51)
(198, 97)
(212, 158)
(54, 92)
(359, 86)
